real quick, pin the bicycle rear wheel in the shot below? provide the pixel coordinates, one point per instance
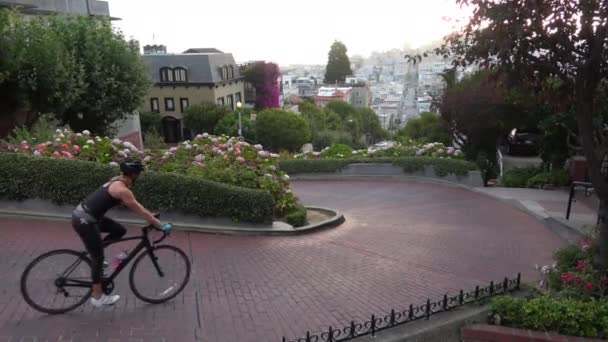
(161, 275)
(57, 282)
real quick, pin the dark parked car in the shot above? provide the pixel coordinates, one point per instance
(524, 141)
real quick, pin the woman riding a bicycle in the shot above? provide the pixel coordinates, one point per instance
(89, 222)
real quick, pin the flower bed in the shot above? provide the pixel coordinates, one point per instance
(339, 151)
(573, 299)
(213, 158)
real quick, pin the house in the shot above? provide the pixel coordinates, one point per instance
(327, 94)
(193, 77)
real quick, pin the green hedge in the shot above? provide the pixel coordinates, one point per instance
(442, 167)
(563, 315)
(69, 181)
(297, 217)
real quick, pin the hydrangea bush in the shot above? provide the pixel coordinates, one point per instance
(217, 158)
(339, 151)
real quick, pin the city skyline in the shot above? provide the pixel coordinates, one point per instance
(303, 37)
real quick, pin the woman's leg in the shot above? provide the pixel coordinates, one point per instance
(115, 229)
(89, 233)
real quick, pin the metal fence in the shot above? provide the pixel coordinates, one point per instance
(412, 313)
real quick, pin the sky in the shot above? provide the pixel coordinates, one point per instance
(285, 31)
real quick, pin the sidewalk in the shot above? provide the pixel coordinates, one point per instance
(550, 206)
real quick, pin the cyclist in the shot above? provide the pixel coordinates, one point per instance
(89, 221)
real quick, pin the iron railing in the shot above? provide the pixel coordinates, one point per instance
(411, 314)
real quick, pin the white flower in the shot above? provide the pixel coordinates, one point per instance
(355, 152)
(188, 147)
(288, 191)
(58, 131)
(198, 136)
(195, 145)
(122, 154)
(147, 159)
(272, 167)
(116, 141)
(267, 175)
(274, 155)
(316, 153)
(113, 163)
(173, 149)
(263, 154)
(286, 177)
(126, 151)
(230, 149)
(199, 158)
(98, 139)
(214, 140)
(36, 153)
(258, 147)
(61, 136)
(205, 135)
(79, 134)
(86, 132)
(86, 147)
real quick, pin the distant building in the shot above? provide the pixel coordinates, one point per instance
(155, 49)
(328, 94)
(181, 80)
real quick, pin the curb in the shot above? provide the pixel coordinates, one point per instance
(336, 219)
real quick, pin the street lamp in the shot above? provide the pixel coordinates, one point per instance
(239, 105)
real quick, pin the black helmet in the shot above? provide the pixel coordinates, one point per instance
(131, 166)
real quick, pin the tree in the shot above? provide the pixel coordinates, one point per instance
(150, 122)
(37, 72)
(563, 43)
(229, 124)
(338, 64)
(427, 128)
(278, 130)
(114, 78)
(370, 124)
(264, 77)
(204, 117)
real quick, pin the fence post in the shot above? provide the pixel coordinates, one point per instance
(476, 292)
(373, 326)
(308, 337)
(505, 285)
(411, 315)
(518, 281)
(352, 329)
(330, 332)
(445, 302)
(491, 288)
(392, 318)
(428, 308)
(461, 298)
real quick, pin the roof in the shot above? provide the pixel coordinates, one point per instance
(333, 92)
(202, 68)
(203, 50)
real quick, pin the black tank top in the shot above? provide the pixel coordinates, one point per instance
(100, 201)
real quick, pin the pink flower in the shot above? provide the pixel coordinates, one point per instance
(240, 159)
(24, 142)
(589, 286)
(567, 277)
(225, 157)
(64, 146)
(578, 279)
(76, 148)
(238, 152)
(56, 154)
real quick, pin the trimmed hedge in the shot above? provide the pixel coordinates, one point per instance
(442, 167)
(297, 217)
(69, 181)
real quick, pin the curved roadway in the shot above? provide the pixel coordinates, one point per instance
(401, 243)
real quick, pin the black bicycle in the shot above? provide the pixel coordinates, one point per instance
(59, 281)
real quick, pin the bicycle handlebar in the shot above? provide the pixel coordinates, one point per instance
(150, 227)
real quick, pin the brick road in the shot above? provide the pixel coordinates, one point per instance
(402, 242)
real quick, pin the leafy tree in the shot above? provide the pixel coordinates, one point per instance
(278, 129)
(114, 78)
(427, 128)
(229, 124)
(204, 117)
(338, 64)
(563, 43)
(150, 122)
(370, 124)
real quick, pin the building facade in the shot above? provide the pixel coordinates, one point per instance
(182, 80)
(76, 7)
(327, 94)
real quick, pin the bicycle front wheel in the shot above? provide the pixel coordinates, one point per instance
(57, 282)
(159, 275)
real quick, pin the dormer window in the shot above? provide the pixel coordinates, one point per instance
(166, 75)
(230, 72)
(180, 74)
(224, 71)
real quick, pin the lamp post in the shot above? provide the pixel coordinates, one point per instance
(239, 105)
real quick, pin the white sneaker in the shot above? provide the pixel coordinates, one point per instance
(104, 300)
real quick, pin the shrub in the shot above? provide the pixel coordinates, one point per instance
(563, 315)
(555, 177)
(150, 122)
(204, 117)
(281, 130)
(327, 138)
(297, 216)
(229, 125)
(519, 177)
(153, 140)
(337, 151)
(65, 181)
(42, 131)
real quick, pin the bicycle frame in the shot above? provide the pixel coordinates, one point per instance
(143, 244)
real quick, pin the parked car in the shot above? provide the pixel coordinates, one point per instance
(524, 141)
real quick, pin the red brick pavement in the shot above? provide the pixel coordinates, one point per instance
(402, 242)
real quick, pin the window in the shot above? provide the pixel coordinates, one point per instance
(180, 75)
(166, 75)
(154, 105)
(184, 104)
(237, 97)
(220, 101)
(230, 102)
(169, 104)
(224, 71)
(230, 70)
